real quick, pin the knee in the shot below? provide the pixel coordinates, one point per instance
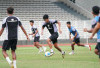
(3, 50)
(48, 40)
(96, 52)
(56, 46)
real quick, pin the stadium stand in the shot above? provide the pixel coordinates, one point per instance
(87, 4)
(35, 9)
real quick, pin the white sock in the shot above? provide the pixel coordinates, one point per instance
(40, 49)
(51, 50)
(87, 46)
(72, 50)
(8, 60)
(62, 52)
(14, 62)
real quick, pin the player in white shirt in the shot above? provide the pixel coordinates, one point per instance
(36, 36)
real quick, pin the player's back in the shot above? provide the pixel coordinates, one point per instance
(11, 23)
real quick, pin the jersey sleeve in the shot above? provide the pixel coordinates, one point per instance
(73, 29)
(54, 21)
(19, 21)
(43, 25)
(35, 27)
(4, 23)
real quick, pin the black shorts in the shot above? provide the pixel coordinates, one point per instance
(98, 47)
(76, 40)
(54, 37)
(37, 39)
(7, 44)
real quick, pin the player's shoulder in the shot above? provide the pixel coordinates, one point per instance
(73, 28)
(96, 18)
(52, 20)
(34, 26)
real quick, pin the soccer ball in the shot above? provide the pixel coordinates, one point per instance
(47, 54)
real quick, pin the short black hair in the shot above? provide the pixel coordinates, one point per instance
(32, 21)
(68, 22)
(10, 10)
(45, 16)
(95, 10)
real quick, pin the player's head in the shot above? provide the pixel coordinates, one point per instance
(95, 10)
(68, 24)
(31, 22)
(10, 10)
(46, 18)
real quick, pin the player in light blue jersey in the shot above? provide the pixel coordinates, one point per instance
(96, 28)
(75, 39)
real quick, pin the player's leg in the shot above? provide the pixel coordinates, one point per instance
(58, 48)
(77, 41)
(97, 49)
(72, 46)
(14, 58)
(38, 44)
(6, 47)
(50, 44)
(13, 44)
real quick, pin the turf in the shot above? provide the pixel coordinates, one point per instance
(28, 57)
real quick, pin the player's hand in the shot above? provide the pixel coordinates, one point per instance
(29, 34)
(60, 31)
(28, 38)
(33, 35)
(85, 29)
(91, 37)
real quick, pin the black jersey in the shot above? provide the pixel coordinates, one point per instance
(11, 24)
(51, 26)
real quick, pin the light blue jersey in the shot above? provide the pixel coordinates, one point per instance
(95, 20)
(73, 31)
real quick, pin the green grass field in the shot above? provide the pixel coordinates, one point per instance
(28, 57)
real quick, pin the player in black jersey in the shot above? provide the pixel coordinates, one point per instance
(11, 24)
(52, 28)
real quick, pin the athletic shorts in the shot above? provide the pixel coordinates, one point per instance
(54, 37)
(76, 40)
(37, 39)
(7, 44)
(98, 47)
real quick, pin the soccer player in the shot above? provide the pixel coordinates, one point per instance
(51, 26)
(95, 28)
(11, 24)
(75, 39)
(36, 36)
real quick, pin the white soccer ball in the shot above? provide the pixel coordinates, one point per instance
(47, 54)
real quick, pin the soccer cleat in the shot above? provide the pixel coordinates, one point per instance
(51, 53)
(71, 53)
(63, 55)
(44, 49)
(11, 65)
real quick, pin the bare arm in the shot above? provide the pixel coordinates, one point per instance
(89, 31)
(97, 27)
(24, 32)
(1, 31)
(42, 31)
(70, 36)
(59, 27)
